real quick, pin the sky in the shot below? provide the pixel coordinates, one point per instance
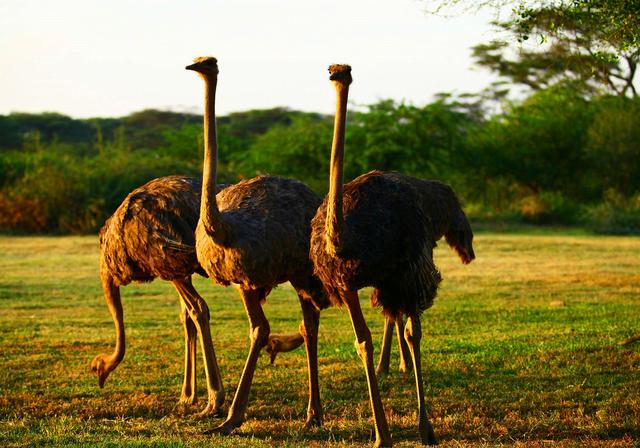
(88, 58)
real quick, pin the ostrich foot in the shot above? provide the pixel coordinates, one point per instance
(187, 400)
(313, 421)
(427, 436)
(382, 443)
(224, 429)
(429, 440)
(212, 409)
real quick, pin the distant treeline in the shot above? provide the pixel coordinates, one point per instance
(554, 158)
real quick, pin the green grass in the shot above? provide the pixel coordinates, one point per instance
(520, 348)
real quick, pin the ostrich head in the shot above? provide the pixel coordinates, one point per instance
(460, 237)
(205, 66)
(340, 73)
(102, 365)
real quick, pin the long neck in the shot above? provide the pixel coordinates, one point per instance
(334, 224)
(209, 212)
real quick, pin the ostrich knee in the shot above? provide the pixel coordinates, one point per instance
(411, 333)
(259, 335)
(364, 347)
(202, 313)
(312, 335)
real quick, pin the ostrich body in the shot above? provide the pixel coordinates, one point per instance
(150, 235)
(266, 220)
(380, 230)
(255, 234)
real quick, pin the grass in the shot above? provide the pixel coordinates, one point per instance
(520, 348)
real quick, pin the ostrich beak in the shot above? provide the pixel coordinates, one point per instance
(190, 67)
(98, 367)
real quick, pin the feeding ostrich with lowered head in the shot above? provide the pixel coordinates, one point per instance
(255, 234)
(152, 234)
(379, 230)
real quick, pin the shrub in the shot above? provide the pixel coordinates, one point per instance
(615, 214)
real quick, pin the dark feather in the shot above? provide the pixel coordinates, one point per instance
(391, 225)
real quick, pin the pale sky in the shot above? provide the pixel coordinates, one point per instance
(88, 58)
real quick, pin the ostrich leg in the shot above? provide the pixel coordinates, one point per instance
(199, 313)
(405, 355)
(413, 334)
(309, 331)
(364, 348)
(385, 350)
(259, 335)
(189, 393)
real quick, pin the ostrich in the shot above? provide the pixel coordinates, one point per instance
(255, 234)
(152, 234)
(380, 230)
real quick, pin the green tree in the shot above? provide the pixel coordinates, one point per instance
(299, 150)
(537, 144)
(420, 141)
(618, 20)
(578, 48)
(613, 145)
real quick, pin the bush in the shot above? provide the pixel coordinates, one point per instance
(613, 145)
(548, 207)
(63, 193)
(615, 214)
(555, 157)
(538, 144)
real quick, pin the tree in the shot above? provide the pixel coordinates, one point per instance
(299, 150)
(613, 145)
(619, 19)
(419, 141)
(578, 47)
(536, 145)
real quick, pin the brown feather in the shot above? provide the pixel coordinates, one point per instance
(151, 234)
(268, 220)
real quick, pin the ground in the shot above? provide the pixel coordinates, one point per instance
(520, 349)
